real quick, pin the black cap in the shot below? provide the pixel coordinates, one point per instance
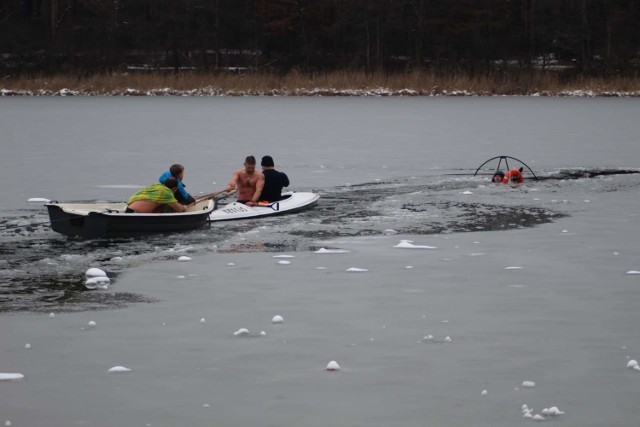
(267, 161)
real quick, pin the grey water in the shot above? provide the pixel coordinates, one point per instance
(379, 164)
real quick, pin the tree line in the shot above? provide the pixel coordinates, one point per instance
(590, 37)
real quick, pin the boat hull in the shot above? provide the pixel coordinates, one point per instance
(292, 202)
(100, 220)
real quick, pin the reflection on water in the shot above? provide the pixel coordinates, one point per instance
(43, 271)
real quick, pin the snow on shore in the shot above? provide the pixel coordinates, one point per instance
(380, 91)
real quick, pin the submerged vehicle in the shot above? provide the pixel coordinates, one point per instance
(290, 202)
(104, 219)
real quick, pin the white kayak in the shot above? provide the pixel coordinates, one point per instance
(291, 202)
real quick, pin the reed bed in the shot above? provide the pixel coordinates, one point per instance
(332, 83)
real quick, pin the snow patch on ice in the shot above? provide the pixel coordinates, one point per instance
(331, 251)
(408, 244)
(11, 376)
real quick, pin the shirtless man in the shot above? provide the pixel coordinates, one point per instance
(248, 181)
(154, 198)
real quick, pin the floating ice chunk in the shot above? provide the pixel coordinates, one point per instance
(407, 244)
(95, 272)
(52, 315)
(637, 368)
(538, 417)
(447, 339)
(632, 364)
(528, 384)
(527, 415)
(184, 258)
(38, 200)
(277, 319)
(484, 392)
(633, 272)
(321, 268)
(91, 324)
(27, 346)
(409, 267)
(466, 192)
(11, 376)
(97, 283)
(117, 259)
(428, 337)
(331, 251)
(283, 262)
(545, 411)
(242, 332)
(181, 277)
(390, 231)
(565, 231)
(118, 370)
(477, 254)
(284, 256)
(356, 270)
(333, 366)
(231, 264)
(203, 320)
(555, 411)
(513, 268)
(263, 334)
(525, 407)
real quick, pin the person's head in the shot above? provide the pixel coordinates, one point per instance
(498, 176)
(177, 171)
(267, 162)
(172, 183)
(250, 164)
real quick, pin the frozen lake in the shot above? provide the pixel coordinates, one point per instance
(533, 283)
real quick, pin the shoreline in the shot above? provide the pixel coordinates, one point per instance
(339, 83)
(316, 92)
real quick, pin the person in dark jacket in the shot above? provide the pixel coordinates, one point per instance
(177, 171)
(274, 181)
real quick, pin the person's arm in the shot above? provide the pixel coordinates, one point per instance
(233, 183)
(259, 187)
(177, 207)
(285, 180)
(185, 194)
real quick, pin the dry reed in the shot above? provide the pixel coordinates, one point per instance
(331, 83)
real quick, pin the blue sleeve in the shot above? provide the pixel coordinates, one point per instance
(183, 191)
(164, 177)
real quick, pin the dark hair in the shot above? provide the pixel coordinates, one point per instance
(499, 172)
(250, 160)
(176, 170)
(267, 161)
(171, 182)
